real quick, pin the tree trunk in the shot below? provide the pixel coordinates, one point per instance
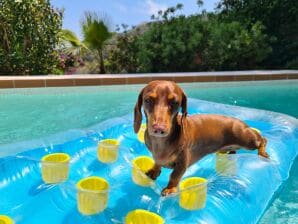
(101, 63)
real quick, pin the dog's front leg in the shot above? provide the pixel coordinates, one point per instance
(175, 177)
(154, 172)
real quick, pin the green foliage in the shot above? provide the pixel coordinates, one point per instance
(242, 34)
(176, 43)
(29, 33)
(292, 64)
(123, 52)
(232, 47)
(172, 45)
(70, 37)
(71, 44)
(96, 32)
(95, 29)
(280, 19)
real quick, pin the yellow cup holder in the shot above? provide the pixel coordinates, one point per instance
(225, 164)
(141, 133)
(5, 220)
(140, 166)
(92, 195)
(107, 151)
(193, 193)
(55, 167)
(140, 216)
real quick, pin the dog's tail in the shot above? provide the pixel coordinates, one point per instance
(261, 143)
(262, 148)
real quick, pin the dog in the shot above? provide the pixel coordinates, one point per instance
(177, 140)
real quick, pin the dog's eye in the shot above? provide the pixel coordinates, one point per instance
(174, 104)
(149, 101)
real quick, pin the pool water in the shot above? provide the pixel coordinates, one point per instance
(37, 113)
(284, 208)
(34, 113)
(229, 191)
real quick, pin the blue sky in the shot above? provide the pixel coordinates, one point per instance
(131, 12)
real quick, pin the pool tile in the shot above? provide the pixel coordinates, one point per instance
(184, 79)
(29, 83)
(225, 78)
(113, 81)
(277, 77)
(59, 82)
(292, 76)
(6, 84)
(138, 80)
(244, 78)
(87, 81)
(205, 79)
(123, 79)
(161, 77)
(262, 77)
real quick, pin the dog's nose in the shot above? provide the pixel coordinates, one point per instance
(159, 128)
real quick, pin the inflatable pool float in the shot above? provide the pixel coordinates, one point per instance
(72, 177)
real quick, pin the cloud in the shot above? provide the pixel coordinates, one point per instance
(152, 7)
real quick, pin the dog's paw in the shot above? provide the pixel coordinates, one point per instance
(167, 191)
(153, 174)
(264, 154)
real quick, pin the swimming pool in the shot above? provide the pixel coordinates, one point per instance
(35, 113)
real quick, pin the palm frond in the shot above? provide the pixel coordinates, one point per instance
(95, 28)
(72, 44)
(70, 37)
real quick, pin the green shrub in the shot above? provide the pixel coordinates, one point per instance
(122, 51)
(173, 45)
(29, 33)
(231, 46)
(203, 42)
(280, 19)
(200, 43)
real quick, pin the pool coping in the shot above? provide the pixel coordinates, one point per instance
(120, 79)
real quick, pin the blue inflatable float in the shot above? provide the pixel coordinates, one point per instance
(237, 193)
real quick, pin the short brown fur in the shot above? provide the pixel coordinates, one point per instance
(177, 141)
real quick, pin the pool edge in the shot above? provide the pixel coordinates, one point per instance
(123, 79)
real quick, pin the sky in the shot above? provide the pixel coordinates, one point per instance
(131, 12)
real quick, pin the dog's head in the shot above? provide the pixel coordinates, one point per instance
(161, 101)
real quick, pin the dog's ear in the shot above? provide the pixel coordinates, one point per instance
(138, 113)
(184, 105)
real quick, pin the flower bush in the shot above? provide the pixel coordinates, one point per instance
(68, 63)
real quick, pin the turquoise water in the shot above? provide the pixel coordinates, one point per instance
(229, 192)
(284, 208)
(36, 113)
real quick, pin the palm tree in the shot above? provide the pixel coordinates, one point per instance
(71, 44)
(95, 32)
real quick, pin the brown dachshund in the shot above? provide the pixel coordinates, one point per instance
(177, 141)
